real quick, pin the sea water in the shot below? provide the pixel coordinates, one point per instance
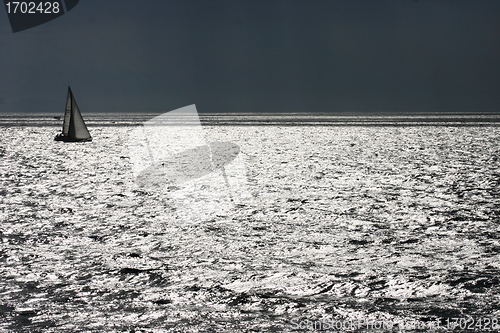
(371, 221)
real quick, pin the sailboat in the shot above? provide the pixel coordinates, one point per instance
(74, 128)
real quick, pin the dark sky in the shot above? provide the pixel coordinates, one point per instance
(258, 56)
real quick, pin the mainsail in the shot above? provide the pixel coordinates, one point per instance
(74, 128)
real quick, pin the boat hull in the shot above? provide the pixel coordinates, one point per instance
(64, 138)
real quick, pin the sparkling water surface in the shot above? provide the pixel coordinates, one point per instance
(390, 223)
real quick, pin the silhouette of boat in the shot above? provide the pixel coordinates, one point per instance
(74, 128)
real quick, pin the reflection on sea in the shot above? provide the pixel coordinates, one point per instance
(344, 223)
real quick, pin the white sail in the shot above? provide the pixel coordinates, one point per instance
(74, 128)
(77, 128)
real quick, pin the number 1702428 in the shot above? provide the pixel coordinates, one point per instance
(15, 7)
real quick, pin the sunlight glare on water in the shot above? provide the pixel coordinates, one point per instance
(344, 221)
